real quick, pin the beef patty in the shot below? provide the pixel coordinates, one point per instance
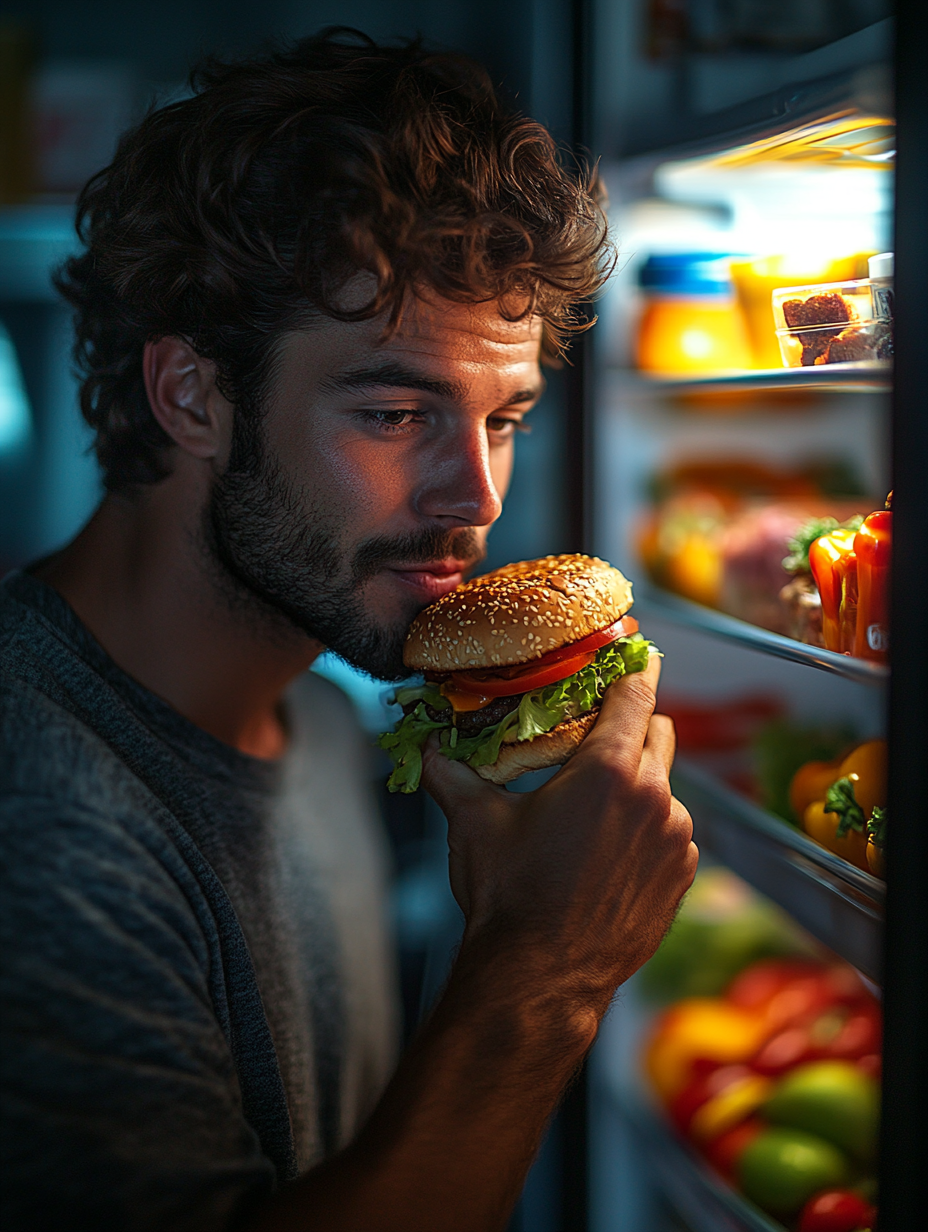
(470, 722)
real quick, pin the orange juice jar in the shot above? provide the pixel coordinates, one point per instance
(691, 323)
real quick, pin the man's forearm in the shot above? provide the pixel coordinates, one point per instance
(449, 1144)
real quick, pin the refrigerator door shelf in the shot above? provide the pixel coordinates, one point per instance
(824, 378)
(837, 903)
(703, 1200)
(707, 620)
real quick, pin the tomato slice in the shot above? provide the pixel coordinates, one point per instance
(556, 665)
(523, 679)
(623, 627)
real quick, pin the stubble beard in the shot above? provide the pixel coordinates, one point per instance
(277, 556)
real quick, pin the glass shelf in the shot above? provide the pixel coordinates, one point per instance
(706, 619)
(703, 1200)
(827, 378)
(837, 903)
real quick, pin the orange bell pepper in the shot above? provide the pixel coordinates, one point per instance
(810, 782)
(856, 795)
(834, 568)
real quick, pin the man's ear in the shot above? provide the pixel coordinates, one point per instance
(184, 399)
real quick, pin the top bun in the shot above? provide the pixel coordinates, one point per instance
(517, 614)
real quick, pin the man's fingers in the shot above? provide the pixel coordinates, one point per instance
(661, 740)
(451, 784)
(626, 712)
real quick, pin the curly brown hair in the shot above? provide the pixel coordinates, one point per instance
(233, 216)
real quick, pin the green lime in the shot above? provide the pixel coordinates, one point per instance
(833, 1099)
(782, 1168)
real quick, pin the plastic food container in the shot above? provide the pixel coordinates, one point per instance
(829, 323)
(691, 323)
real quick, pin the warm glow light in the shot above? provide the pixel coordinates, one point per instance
(696, 343)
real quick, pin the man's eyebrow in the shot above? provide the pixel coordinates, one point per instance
(398, 376)
(392, 376)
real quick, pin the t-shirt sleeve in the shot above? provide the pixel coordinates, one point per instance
(120, 1103)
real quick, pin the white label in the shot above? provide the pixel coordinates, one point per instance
(877, 637)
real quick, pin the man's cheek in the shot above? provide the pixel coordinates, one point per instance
(501, 464)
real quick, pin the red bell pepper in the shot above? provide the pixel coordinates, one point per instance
(873, 550)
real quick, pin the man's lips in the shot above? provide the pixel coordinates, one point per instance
(433, 578)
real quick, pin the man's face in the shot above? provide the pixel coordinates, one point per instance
(377, 472)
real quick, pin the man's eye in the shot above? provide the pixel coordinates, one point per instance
(392, 418)
(503, 427)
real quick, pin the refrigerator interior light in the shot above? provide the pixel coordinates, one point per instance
(15, 412)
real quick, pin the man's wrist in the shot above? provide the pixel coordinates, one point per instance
(544, 1005)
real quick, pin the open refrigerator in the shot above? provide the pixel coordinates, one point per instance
(709, 439)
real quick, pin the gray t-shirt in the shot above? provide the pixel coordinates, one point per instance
(197, 984)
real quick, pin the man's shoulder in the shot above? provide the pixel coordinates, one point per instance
(46, 746)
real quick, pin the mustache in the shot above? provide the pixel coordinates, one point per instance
(418, 547)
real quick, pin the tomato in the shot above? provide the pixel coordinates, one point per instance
(556, 665)
(783, 990)
(522, 679)
(841, 1033)
(785, 1050)
(836, 1210)
(623, 627)
(702, 1087)
(859, 1035)
(724, 1151)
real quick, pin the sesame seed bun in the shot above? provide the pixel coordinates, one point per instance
(552, 749)
(516, 614)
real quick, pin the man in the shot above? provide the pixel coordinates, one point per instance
(310, 317)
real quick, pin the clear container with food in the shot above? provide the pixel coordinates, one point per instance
(829, 323)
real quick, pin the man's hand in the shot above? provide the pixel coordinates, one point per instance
(581, 878)
(567, 890)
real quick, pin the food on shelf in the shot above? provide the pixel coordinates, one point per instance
(837, 1210)
(843, 804)
(690, 323)
(513, 667)
(783, 1168)
(850, 566)
(873, 549)
(829, 323)
(832, 626)
(756, 279)
(753, 576)
(721, 928)
(881, 268)
(735, 535)
(774, 1082)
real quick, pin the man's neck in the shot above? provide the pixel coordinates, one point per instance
(140, 579)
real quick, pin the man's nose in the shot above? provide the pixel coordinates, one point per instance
(458, 484)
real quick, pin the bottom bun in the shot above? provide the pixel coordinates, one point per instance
(552, 749)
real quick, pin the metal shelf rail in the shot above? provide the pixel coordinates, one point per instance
(837, 903)
(706, 619)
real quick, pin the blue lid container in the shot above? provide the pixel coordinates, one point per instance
(686, 274)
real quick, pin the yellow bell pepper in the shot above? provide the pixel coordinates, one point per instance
(839, 818)
(700, 1027)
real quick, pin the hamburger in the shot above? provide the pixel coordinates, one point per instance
(513, 667)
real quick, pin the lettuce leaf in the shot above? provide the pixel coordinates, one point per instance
(537, 713)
